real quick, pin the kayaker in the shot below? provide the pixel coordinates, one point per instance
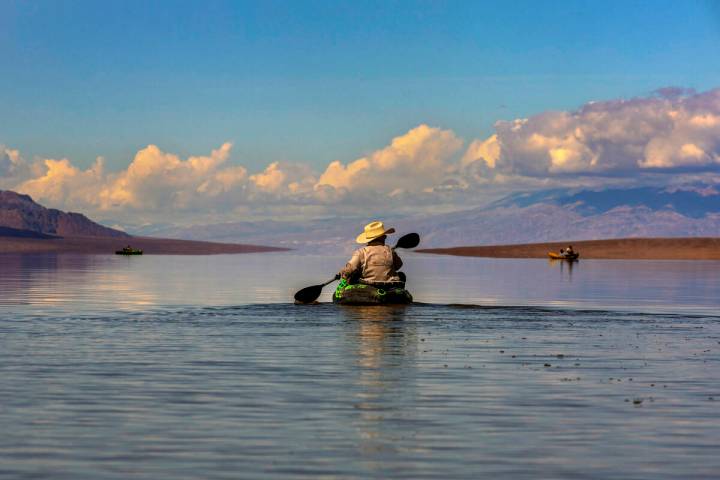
(569, 251)
(375, 264)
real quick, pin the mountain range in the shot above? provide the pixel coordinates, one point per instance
(28, 227)
(22, 217)
(693, 201)
(544, 216)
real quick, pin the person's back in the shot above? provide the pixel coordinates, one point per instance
(376, 263)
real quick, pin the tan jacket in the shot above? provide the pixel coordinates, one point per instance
(374, 264)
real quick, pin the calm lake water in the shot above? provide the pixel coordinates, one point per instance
(200, 367)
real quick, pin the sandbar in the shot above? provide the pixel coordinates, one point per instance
(108, 245)
(689, 248)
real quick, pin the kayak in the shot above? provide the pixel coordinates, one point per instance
(129, 251)
(359, 294)
(557, 256)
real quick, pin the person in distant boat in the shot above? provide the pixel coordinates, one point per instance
(569, 251)
(375, 264)
(562, 252)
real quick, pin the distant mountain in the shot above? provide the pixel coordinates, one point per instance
(552, 222)
(16, 233)
(558, 215)
(19, 213)
(320, 235)
(546, 216)
(694, 200)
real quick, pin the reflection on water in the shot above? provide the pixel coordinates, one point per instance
(384, 348)
(102, 283)
(69, 281)
(566, 268)
(199, 367)
(679, 286)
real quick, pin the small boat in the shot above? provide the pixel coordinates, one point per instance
(129, 251)
(557, 256)
(360, 294)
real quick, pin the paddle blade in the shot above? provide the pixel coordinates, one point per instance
(308, 294)
(411, 240)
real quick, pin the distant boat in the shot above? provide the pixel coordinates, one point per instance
(129, 251)
(558, 256)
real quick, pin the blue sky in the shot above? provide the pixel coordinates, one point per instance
(217, 110)
(313, 82)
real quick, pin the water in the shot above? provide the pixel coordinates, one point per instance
(199, 367)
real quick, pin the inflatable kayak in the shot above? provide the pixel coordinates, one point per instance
(359, 294)
(557, 256)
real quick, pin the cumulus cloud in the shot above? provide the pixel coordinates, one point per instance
(284, 179)
(673, 129)
(412, 162)
(487, 151)
(11, 165)
(156, 179)
(672, 135)
(58, 182)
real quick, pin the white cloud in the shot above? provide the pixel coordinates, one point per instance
(11, 165)
(486, 150)
(58, 182)
(156, 180)
(284, 179)
(412, 162)
(657, 137)
(659, 132)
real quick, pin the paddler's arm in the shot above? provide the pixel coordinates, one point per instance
(397, 262)
(352, 266)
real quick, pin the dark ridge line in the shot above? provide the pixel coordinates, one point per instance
(21, 233)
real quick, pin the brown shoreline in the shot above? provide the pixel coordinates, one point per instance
(108, 245)
(692, 248)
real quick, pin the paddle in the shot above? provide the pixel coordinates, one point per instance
(411, 240)
(310, 294)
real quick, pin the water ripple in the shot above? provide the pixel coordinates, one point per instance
(198, 388)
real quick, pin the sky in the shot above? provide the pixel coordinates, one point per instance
(191, 111)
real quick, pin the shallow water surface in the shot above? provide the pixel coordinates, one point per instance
(199, 367)
(92, 283)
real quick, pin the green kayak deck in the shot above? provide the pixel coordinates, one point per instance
(360, 294)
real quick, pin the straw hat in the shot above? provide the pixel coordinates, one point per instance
(372, 231)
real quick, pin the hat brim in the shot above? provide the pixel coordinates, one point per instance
(363, 239)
